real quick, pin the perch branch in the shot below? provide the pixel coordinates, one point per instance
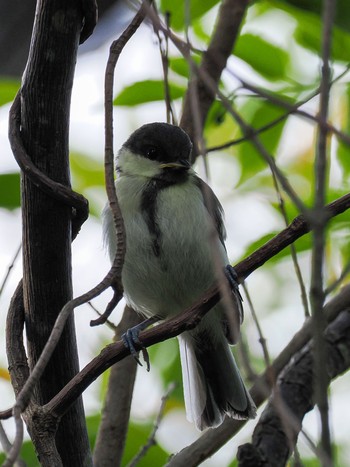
(190, 318)
(117, 351)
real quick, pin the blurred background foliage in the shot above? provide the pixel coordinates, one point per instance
(278, 52)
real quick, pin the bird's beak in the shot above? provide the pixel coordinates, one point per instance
(182, 164)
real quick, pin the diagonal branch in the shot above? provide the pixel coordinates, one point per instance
(212, 440)
(296, 387)
(170, 328)
(214, 60)
(290, 109)
(294, 108)
(189, 318)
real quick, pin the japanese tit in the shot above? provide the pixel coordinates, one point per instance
(169, 214)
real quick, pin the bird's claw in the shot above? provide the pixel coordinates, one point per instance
(131, 341)
(232, 278)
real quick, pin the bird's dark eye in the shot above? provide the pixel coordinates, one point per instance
(152, 153)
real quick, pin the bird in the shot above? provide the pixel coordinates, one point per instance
(174, 227)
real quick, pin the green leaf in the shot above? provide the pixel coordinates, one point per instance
(147, 91)
(10, 197)
(176, 9)
(267, 59)
(166, 358)
(302, 244)
(308, 17)
(27, 455)
(216, 115)
(92, 424)
(309, 35)
(342, 14)
(137, 437)
(180, 65)
(87, 176)
(8, 90)
(343, 149)
(258, 113)
(86, 171)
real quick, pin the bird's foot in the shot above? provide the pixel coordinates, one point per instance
(232, 278)
(132, 342)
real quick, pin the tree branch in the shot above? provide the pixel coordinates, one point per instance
(56, 190)
(270, 445)
(117, 351)
(111, 436)
(214, 60)
(212, 440)
(190, 318)
(318, 224)
(114, 53)
(293, 108)
(47, 184)
(39, 126)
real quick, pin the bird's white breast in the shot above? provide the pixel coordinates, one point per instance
(166, 284)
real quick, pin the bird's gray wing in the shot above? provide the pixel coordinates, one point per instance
(214, 208)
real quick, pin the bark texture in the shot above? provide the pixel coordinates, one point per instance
(47, 285)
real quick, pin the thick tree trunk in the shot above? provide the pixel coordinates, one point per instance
(46, 94)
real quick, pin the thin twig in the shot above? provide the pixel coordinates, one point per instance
(151, 441)
(6, 446)
(114, 54)
(339, 280)
(127, 371)
(249, 131)
(294, 108)
(164, 55)
(262, 339)
(109, 323)
(256, 132)
(14, 451)
(319, 223)
(245, 359)
(232, 313)
(5, 442)
(212, 87)
(293, 251)
(7, 275)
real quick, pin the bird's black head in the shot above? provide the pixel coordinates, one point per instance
(161, 142)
